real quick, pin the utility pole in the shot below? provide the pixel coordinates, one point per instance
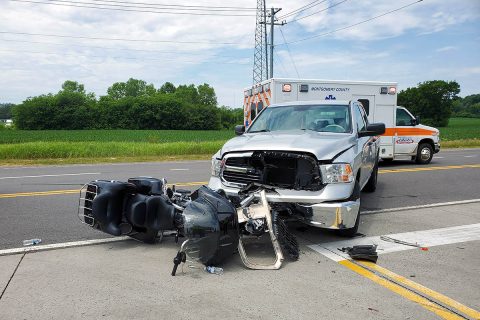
(260, 58)
(273, 12)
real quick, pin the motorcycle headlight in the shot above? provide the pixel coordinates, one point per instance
(216, 167)
(337, 173)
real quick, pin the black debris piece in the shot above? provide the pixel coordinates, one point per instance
(362, 252)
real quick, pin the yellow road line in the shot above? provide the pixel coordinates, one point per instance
(73, 191)
(418, 287)
(199, 183)
(464, 166)
(425, 303)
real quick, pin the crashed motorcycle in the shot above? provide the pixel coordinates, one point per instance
(212, 226)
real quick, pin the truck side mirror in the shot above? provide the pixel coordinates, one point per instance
(239, 130)
(373, 129)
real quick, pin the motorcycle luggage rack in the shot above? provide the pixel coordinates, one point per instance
(85, 208)
(256, 211)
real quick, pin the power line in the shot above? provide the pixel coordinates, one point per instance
(78, 5)
(178, 5)
(313, 13)
(303, 8)
(120, 57)
(289, 53)
(112, 48)
(355, 24)
(125, 4)
(117, 39)
(285, 73)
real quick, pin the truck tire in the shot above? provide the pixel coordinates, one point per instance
(351, 232)
(371, 185)
(424, 153)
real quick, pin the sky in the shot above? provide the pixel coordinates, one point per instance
(43, 44)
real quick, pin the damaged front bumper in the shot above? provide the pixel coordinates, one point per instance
(314, 208)
(331, 215)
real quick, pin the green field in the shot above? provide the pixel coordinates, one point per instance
(90, 146)
(460, 129)
(150, 136)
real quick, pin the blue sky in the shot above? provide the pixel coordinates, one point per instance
(430, 40)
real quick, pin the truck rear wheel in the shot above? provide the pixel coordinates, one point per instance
(351, 232)
(424, 153)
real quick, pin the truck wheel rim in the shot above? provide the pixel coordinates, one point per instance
(425, 154)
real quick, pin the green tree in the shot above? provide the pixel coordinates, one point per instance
(167, 88)
(432, 100)
(6, 110)
(206, 95)
(131, 88)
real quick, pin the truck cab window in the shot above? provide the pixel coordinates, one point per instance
(361, 125)
(366, 105)
(403, 118)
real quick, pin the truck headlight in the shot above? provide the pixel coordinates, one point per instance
(216, 167)
(337, 173)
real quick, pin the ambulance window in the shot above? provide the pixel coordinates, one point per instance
(253, 111)
(366, 105)
(403, 118)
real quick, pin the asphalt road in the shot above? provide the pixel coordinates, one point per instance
(30, 207)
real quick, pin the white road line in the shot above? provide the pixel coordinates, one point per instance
(64, 245)
(470, 156)
(179, 169)
(437, 157)
(433, 205)
(52, 175)
(425, 238)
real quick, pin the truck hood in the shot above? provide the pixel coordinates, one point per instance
(323, 145)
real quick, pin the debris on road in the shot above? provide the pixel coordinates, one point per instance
(362, 252)
(31, 242)
(389, 239)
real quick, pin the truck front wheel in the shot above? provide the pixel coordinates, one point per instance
(424, 153)
(351, 232)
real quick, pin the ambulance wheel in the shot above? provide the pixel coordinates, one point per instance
(424, 153)
(351, 232)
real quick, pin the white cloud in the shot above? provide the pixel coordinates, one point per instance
(447, 48)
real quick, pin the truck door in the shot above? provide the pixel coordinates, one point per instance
(405, 138)
(365, 146)
(368, 103)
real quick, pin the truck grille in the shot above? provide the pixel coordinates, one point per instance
(238, 170)
(287, 170)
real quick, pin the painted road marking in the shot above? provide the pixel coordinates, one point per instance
(463, 166)
(425, 238)
(433, 205)
(404, 292)
(200, 183)
(73, 191)
(419, 288)
(179, 169)
(52, 175)
(470, 156)
(54, 246)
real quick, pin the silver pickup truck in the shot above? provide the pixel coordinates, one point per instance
(313, 159)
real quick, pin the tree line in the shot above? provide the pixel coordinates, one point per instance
(436, 101)
(133, 104)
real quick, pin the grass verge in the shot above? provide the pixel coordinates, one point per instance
(465, 143)
(94, 152)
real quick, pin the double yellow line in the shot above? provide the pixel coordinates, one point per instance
(192, 184)
(463, 166)
(75, 191)
(441, 305)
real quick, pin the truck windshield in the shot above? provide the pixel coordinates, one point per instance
(320, 118)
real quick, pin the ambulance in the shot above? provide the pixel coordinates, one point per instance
(404, 139)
